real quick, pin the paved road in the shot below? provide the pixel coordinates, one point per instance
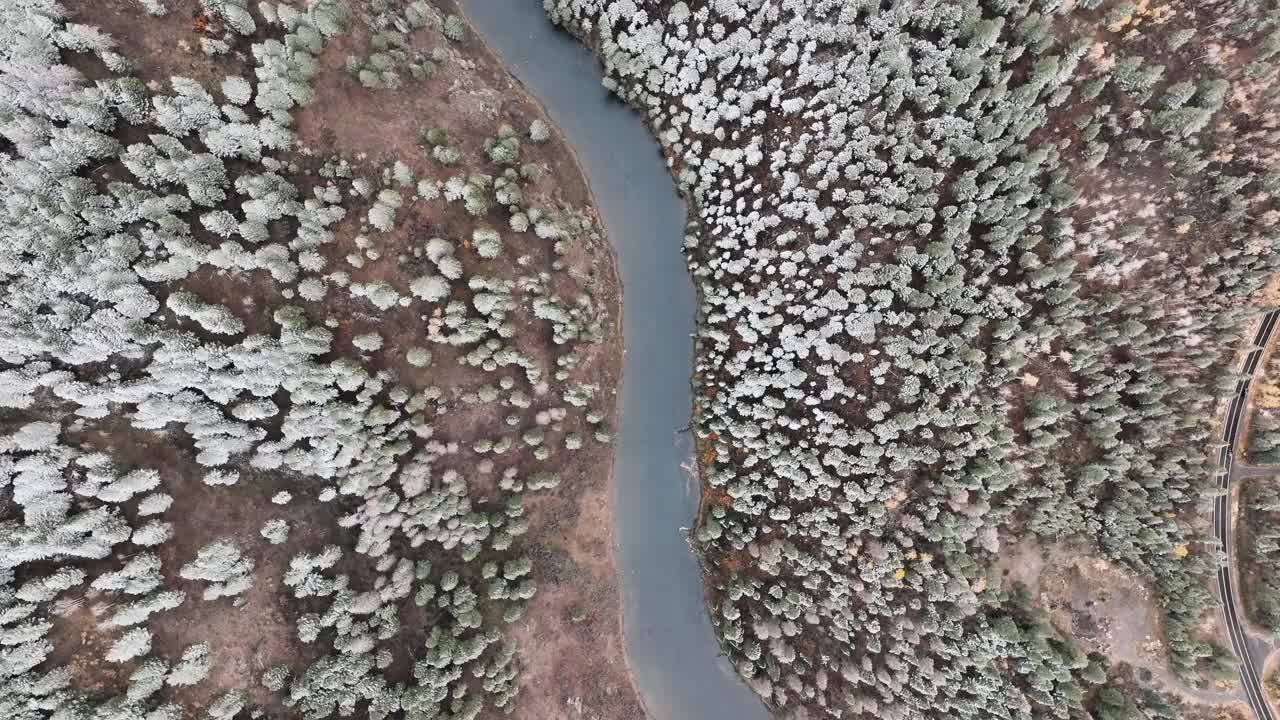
(1222, 530)
(1243, 472)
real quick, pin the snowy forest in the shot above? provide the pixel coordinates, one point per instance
(970, 273)
(310, 347)
(285, 425)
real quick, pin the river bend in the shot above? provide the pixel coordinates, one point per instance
(670, 643)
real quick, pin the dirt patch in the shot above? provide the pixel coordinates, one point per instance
(166, 46)
(1106, 609)
(202, 514)
(1022, 564)
(571, 642)
(81, 645)
(570, 639)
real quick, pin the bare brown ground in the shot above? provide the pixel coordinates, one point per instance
(80, 645)
(161, 47)
(1103, 607)
(570, 639)
(1271, 678)
(1236, 711)
(244, 638)
(1106, 609)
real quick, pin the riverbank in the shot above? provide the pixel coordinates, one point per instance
(570, 640)
(671, 644)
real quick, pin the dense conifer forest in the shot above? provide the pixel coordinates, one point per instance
(970, 273)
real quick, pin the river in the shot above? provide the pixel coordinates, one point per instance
(670, 643)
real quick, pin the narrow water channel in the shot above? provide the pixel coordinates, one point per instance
(670, 642)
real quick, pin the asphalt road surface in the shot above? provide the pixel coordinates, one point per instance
(1231, 611)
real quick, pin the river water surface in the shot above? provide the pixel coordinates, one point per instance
(670, 643)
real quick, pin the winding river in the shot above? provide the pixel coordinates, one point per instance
(670, 643)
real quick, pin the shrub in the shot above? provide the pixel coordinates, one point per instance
(276, 531)
(488, 242)
(192, 667)
(454, 28)
(539, 131)
(369, 342)
(135, 642)
(432, 288)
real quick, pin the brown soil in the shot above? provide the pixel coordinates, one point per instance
(1098, 604)
(81, 646)
(162, 47)
(202, 514)
(1106, 609)
(570, 639)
